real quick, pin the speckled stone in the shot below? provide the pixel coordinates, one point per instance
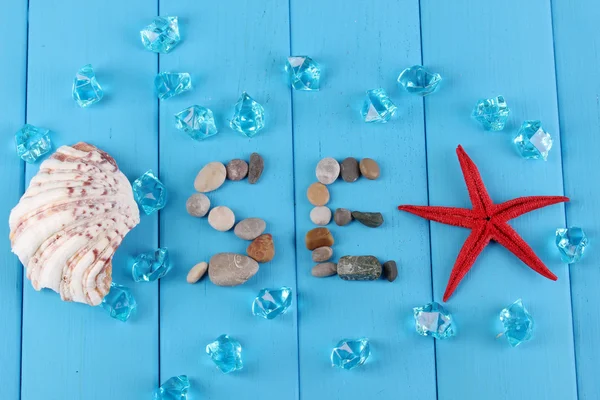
(324, 269)
(221, 218)
(359, 268)
(256, 167)
(320, 215)
(197, 205)
(369, 168)
(211, 177)
(229, 269)
(342, 216)
(370, 219)
(318, 237)
(318, 194)
(262, 249)
(328, 170)
(236, 169)
(250, 228)
(322, 254)
(197, 272)
(390, 270)
(350, 170)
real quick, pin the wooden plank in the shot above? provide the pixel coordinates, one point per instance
(576, 40)
(362, 47)
(228, 47)
(501, 50)
(13, 23)
(72, 351)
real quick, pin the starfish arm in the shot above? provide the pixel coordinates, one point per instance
(509, 238)
(475, 243)
(482, 203)
(522, 205)
(446, 215)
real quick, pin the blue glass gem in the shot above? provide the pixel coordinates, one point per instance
(491, 113)
(378, 107)
(169, 84)
(517, 322)
(150, 266)
(418, 80)
(86, 89)
(433, 320)
(198, 122)
(226, 353)
(350, 353)
(272, 302)
(162, 35)
(175, 388)
(248, 117)
(32, 143)
(303, 72)
(149, 192)
(571, 244)
(119, 302)
(532, 141)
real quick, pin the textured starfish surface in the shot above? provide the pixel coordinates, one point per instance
(487, 221)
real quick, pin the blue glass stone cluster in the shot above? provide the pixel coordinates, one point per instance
(418, 80)
(162, 35)
(152, 265)
(119, 302)
(32, 143)
(350, 353)
(175, 388)
(86, 89)
(378, 107)
(571, 243)
(149, 192)
(198, 122)
(517, 322)
(170, 84)
(532, 141)
(271, 303)
(303, 73)
(248, 117)
(492, 113)
(226, 353)
(434, 320)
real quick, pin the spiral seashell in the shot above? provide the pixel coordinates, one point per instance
(71, 220)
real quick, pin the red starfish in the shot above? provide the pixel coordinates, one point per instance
(487, 221)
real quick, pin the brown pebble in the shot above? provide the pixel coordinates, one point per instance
(236, 169)
(318, 237)
(255, 170)
(369, 168)
(349, 169)
(318, 194)
(322, 254)
(390, 270)
(342, 216)
(262, 248)
(197, 272)
(324, 269)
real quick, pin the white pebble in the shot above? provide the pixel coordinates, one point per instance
(320, 215)
(221, 218)
(328, 170)
(197, 272)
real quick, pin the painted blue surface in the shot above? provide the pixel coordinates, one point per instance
(540, 55)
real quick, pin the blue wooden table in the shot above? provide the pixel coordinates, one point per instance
(541, 55)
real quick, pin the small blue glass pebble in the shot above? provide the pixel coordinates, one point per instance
(517, 322)
(86, 89)
(169, 84)
(571, 244)
(418, 80)
(175, 388)
(152, 265)
(350, 353)
(303, 73)
(162, 35)
(198, 122)
(248, 117)
(532, 142)
(433, 320)
(226, 353)
(491, 113)
(149, 192)
(378, 107)
(272, 302)
(32, 143)
(119, 302)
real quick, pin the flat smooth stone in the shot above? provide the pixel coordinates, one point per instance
(317, 194)
(211, 177)
(328, 170)
(230, 269)
(324, 269)
(262, 249)
(369, 168)
(342, 216)
(250, 228)
(359, 268)
(322, 254)
(370, 219)
(320, 215)
(349, 169)
(256, 167)
(236, 169)
(390, 270)
(197, 272)
(318, 237)
(197, 205)
(221, 218)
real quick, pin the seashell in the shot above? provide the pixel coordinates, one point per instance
(71, 220)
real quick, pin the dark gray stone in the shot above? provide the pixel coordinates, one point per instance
(359, 268)
(350, 170)
(370, 219)
(342, 216)
(390, 270)
(255, 170)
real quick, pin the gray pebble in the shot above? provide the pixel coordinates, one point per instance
(197, 272)
(255, 170)
(320, 215)
(229, 269)
(324, 269)
(328, 170)
(370, 219)
(197, 205)
(236, 169)
(390, 270)
(250, 228)
(350, 169)
(322, 254)
(342, 216)
(359, 268)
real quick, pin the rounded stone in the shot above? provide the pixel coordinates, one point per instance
(197, 272)
(262, 249)
(320, 215)
(350, 170)
(322, 254)
(324, 269)
(328, 170)
(236, 169)
(359, 268)
(256, 167)
(318, 237)
(211, 177)
(230, 269)
(250, 228)
(370, 219)
(342, 216)
(369, 168)
(390, 270)
(221, 218)
(318, 194)
(197, 205)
